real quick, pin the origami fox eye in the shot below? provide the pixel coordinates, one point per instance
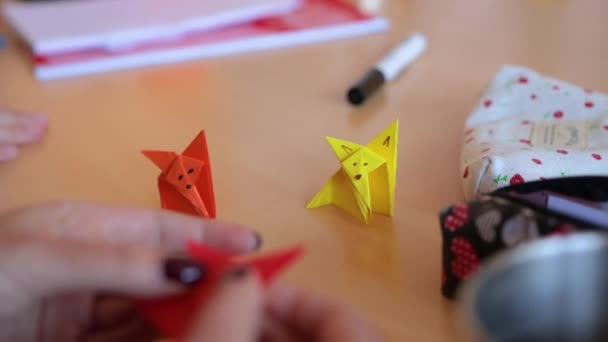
(354, 164)
(180, 177)
(188, 186)
(364, 164)
(191, 170)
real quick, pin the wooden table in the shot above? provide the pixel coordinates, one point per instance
(266, 115)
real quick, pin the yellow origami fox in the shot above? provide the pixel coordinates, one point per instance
(366, 181)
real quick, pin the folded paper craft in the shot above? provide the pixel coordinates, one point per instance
(365, 183)
(173, 315)
(185, 183)
(186, 186)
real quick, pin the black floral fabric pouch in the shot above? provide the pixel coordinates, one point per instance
(476, 230)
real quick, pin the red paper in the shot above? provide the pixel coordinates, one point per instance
(173, 315)
(185, 182)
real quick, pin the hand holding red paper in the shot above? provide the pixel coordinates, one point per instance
(173, 315)
(60, 262)
(67, 269)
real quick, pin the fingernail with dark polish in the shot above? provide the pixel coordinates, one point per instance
(258, 240)
(236, 273)
(183, 270)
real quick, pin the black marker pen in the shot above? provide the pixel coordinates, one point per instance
(388, 68)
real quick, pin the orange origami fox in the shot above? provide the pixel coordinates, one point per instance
(185, 183)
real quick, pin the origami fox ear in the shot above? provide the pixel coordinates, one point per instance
(269, 266)
(342, 148)
(198, 148)
(385, 143)
(162, 159)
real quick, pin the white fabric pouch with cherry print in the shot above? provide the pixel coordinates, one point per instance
(528, 127)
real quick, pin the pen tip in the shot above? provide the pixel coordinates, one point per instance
(355, 96)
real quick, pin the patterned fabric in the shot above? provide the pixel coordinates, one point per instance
(476, 230)
(529, 127)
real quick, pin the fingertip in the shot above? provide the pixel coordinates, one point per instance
(243, 239)
(8, 152)
(29, 117)
(309, 313)
(258, 241)
(280, 299)
(232, 237)
(237, 298)
(42, 122)
(40, 119)
(34, 128)
(175, 229)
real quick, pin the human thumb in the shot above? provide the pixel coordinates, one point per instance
(234, 312)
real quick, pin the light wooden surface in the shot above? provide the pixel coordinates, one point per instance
(266, 115)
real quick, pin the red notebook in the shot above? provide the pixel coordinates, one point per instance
(313, 21)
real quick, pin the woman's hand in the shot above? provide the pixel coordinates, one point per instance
(17, 129)
(241, 311)
(61, 266)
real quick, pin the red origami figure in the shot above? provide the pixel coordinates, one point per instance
(185, 183)
(185, 186)
(173, 315)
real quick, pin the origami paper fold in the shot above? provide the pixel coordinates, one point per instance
(173, 315)
(185, 182)
(365, 182)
